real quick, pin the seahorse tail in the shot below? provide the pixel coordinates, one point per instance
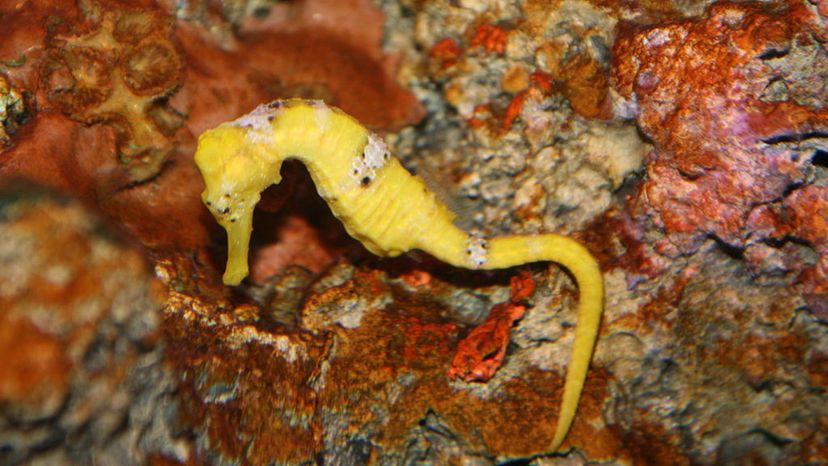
(509, 251)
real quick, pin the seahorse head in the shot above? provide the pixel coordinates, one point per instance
(232, 169)
(235, 170)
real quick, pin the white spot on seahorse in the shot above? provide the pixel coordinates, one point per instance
(257, 123)
(376, 152)
(373, 157)
(323, 114)
(476, 248)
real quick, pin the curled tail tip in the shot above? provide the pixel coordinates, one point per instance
(561, 433)
(555, 447)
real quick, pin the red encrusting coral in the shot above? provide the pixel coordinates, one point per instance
(808, 220)
(481, 114)
(277, 64)
(542, 80)
(513, 110)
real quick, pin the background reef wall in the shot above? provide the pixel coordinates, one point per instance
(684, 143)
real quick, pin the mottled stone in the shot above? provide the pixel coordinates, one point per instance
(12, 110)
(721, 358)
(363, 378)
(521, 86)
(82, 379)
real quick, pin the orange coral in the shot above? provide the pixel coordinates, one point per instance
(540, 84)
(513, 110)
(481, 112)
(308, 49)
(542, 81)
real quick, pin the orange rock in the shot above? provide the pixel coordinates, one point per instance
(586, 85)
(515, 79)
(481, 353)
(445, 53)
(491, 37)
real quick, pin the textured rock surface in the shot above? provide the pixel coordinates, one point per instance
(364, 379)
(683, 142)
(736, 108)
(82, 379)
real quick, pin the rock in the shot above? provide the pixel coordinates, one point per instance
(82, 379)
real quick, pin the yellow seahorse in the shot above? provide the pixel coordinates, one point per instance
(380, 204)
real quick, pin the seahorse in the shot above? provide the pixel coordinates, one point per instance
(382, 205)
